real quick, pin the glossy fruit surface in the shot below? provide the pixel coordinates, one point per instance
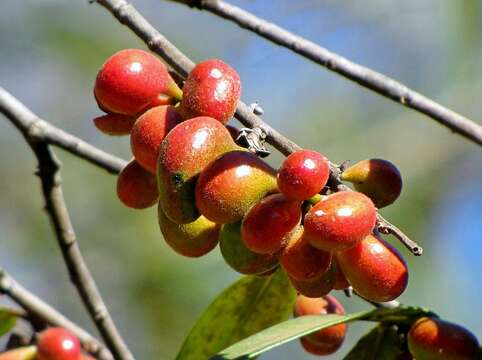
(148, 132)
(23, 353)
(302, 261)
(315, 288)
(231, 184)
(212, 89)
(133, 80)
(436, 339)
(137, 187)
(379, 179)
(115, 124)
(268, 224)
(339, 221)
(239, 257)
(192, 240)
(328, 340)
(375, 269)
(58, 344)
(184, 153)
(303, 174)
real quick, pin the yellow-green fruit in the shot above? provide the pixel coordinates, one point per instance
(435, 339)
(378, 179)
(239, 257)
(231, 184)
(23, 353)
(194, 239)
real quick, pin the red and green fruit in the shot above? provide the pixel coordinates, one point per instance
(23, 353)
(339, 221)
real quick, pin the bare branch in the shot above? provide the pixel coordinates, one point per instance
(364, 76)
(41, 310)
(41, 131)
(129, 16)
(49, 173)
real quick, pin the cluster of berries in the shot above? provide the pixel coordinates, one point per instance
(211, 190)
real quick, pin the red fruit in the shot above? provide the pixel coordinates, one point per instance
(326, 341)
(315, 288)
(302, 261)
(433, 339)
(303, 174)
(212, 89)
(137, 187)
(375, 269)
(339, 221)
(133, 80)
(379, 179)
(340, 281)
(58, 344)
(115, 124)
(269, 223)
(148, 132)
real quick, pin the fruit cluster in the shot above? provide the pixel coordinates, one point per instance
(211, 190)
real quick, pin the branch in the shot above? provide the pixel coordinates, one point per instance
(129, 16)
(49, 173)
(41, 310)
(39, 130)
(364, 76)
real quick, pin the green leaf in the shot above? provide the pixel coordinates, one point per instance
(246, 307)
(292, 329)
(382, 342)
(7, 321)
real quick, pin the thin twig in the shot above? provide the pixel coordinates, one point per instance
(129, 16)
(36, 307)
(364, 76)
(42, 131)
(49, 173)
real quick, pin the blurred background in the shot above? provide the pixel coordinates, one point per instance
(50, 51)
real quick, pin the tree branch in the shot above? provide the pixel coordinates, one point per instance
(41, 310)
(49, 173)
(41, 131)
(129, 16)
(364, 76)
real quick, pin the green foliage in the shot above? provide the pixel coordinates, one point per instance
(246, 307)
(382, 342)
(292, 329)
(7, 321)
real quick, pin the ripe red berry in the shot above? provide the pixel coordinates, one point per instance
(339, 221)
(58, 344)
(315, 288)
(326, 341)
(115, 124)
(148, 132)
(432, 339)
(269, 223)
(131, 81)
(303, 174)
(137, 187)
(212, 89)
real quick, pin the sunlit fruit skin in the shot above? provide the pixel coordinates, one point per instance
(303, 174)
(212, 89)
(58, 344)
(231, 184)
(268, 224)
(133, 80)
(23, 353)
(185, 152)
(315, 288)
(115, 124)
(137, 187)
(301, 261)
(148, 132)
(379, 179)
(375, 269)
(239, 257)
(192, 240)
(328, 340)
(436, 339)
(339, 221)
